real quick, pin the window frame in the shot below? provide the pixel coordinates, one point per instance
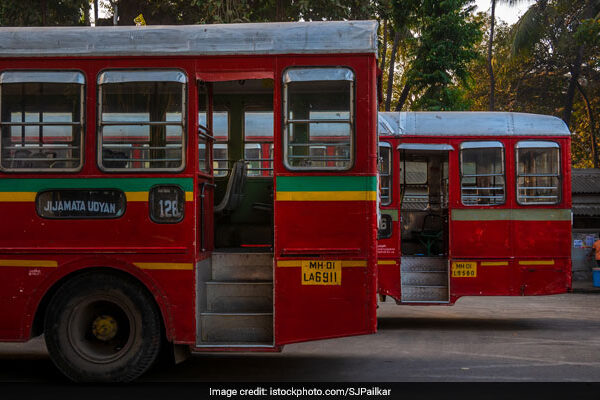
(481, 144)
(403, 185)
(82, 122)
(559, 176)
(184, 121)
(390, 173)
(216, 141)
(351, 120)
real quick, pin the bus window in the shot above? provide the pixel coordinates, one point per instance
(42, 120)
(258, 138)
(142, 119)
(385, 173)
(221, 135)
(413, 183)
(482, 173)
(318, 115)
(538, 176)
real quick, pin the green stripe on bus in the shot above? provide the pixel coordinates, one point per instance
(125, 184)
(340, 183)
(546, 214)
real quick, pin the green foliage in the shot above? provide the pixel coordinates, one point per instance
(439, 50)
(42, 12)
(536, 79)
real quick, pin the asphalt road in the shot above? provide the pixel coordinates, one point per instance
(531, 339)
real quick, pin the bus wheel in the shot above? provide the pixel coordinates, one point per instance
(101, 327)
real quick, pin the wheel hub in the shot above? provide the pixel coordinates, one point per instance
(105, 328)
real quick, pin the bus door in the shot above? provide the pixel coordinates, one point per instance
(424, 223)
(325, 210)
(206, 139)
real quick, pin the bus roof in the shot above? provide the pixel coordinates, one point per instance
(320, 37)
(470, 123)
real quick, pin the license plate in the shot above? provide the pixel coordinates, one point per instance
(464, 269)
(321, 272)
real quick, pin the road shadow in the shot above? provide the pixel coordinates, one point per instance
(274, 367)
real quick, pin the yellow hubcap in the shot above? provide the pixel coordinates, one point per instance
(104, 328)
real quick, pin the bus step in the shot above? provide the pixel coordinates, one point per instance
(239, 297)
(237, 327)
(242, 346)
(242, 266)
(422, 264)
(424, 278)
(424, 293)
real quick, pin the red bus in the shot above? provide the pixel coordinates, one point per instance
(208, 187)
(473, 204)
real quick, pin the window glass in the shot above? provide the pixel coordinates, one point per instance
(202, 154)
(221, 134)
(258, 137)
(538, 176)
(318, 125)
(142, 124)
(413, 183)
(42, 122)
(385, 171)
(482, 173)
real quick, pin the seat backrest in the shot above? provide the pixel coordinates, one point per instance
(234, 193)
(432, 222)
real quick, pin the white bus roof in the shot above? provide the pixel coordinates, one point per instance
(332, 37)
(469, 123)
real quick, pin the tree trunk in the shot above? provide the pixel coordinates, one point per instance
(86, 14)
(96, 12)
(590, 112)
(390, 82)
(280, 8)
(575, 70)
(44, 12)
(403, 96)
(490, 67)
(384, 48)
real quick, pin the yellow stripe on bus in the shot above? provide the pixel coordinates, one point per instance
(136, 196)
(17, 196)
(345, 263)
(354, 263)
(29, 263)
(327, 196)
(493, 263)
(538, 262)
(386, 262)
(143, 196)
(169, 266)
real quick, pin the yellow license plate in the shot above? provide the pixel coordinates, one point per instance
(321, 272)
(464, 269)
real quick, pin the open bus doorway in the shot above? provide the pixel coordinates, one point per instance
(424, 223)
(243, 126)
(235, 284)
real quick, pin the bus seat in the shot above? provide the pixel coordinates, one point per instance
(18, 159)
(267, 207)
(431, 232)
(109, 156)
(234, 193)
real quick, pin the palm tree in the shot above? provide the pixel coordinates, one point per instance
(490, 67)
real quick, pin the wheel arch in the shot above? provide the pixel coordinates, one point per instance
(160, 301)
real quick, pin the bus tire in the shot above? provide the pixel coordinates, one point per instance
(102, 327)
